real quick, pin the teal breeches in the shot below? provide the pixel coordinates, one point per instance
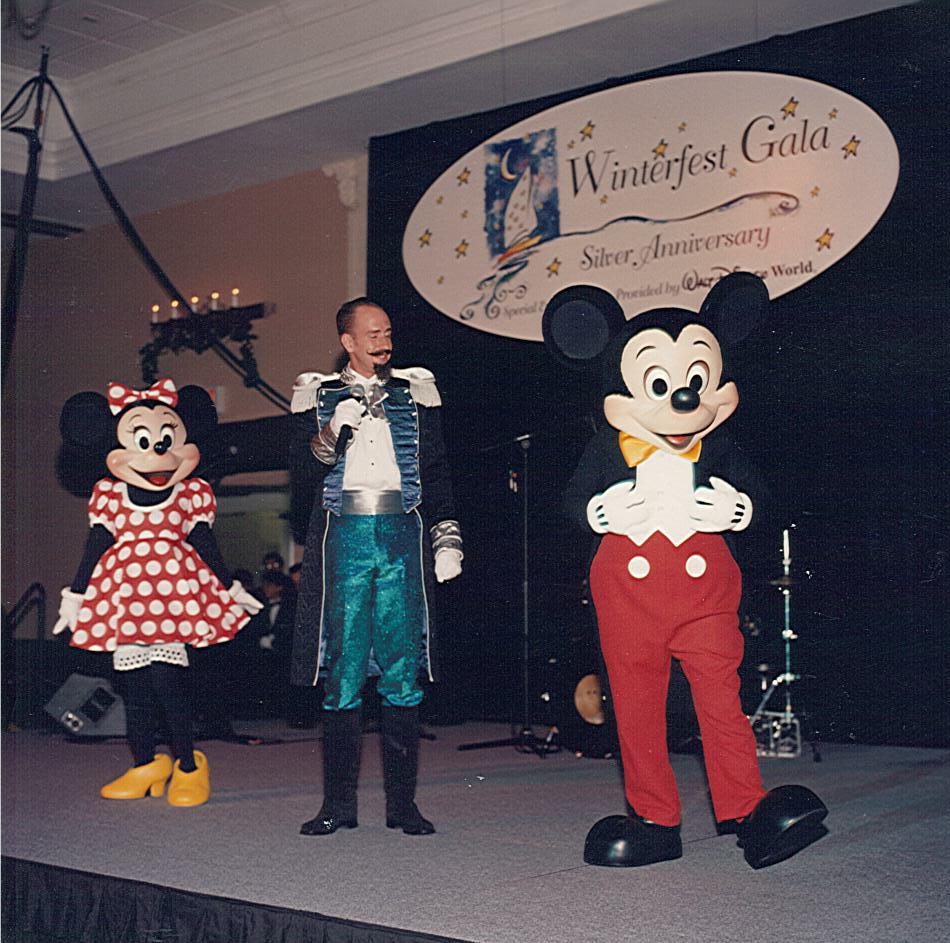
(374, 601)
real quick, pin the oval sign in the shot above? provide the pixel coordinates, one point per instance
(652, 191)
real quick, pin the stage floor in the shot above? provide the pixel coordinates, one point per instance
(505, 864)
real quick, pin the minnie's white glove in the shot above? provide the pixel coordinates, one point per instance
(348, 412)
(448, 564)
(69, 607)
(248, 602)
(720, 508)
(618, 510)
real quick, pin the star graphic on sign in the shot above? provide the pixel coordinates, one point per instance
(603, 199)
(682, 126)
(439, 200)
(461, 249)
(554, 268)
(660, 149)
(824, 240)
(788, 109)
(851, 148)
(570, 145)
(815, 191)
(833, 114)
(733, 172)
(463, 176)
(425, 239)
(587, 131)
(464, 214)
(440, 279)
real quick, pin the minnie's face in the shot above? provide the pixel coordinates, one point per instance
(153, 454)
(674, 396)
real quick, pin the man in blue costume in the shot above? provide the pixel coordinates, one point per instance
(383, 525)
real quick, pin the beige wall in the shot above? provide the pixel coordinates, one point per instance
(85, 313)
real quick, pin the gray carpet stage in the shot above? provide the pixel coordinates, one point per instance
(506, 862)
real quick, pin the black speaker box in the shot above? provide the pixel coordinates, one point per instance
(88, 707)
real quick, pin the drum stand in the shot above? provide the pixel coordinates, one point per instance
(779, 733)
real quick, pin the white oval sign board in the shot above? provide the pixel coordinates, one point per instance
(652, 191)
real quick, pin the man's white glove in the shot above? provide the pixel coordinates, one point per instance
(248, 602)
(720, 508)
(618, 510)
(69, 607)
(448, 564)
(348, 412)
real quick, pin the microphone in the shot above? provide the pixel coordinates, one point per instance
(346, 432)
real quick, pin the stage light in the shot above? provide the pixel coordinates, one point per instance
(234, 297)
(215, 298)
(175, 312)
(155, 310)
(194, 300)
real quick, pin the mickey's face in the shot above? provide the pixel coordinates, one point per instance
(674, 396)
(154, 453)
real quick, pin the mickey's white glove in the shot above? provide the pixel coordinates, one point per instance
(618, 510)
(69, 608)
(348, 412)
(448, 564)
(248, 602)
(720, 508)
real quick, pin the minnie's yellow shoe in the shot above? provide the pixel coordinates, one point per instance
(139, 781)
(190, 788)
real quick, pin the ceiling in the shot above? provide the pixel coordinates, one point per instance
(181, 99)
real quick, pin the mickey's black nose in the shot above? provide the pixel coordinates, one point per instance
(161, 448)
(684, 400)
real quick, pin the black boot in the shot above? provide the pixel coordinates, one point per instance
(400, 735)
(342, 738)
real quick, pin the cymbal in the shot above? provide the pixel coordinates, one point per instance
(784, 581)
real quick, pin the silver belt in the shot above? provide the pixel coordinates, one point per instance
(372, 502)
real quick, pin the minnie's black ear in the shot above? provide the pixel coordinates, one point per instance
(86, 421)
(734, 306)
(196, 410)
(578, 324)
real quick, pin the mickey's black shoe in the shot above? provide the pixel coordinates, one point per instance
(624, 841)
(786, 820)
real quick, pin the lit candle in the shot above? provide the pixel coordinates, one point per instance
(194, 303)
(215, 296)
(175, 314)
(785, 553)
(155, 310)
(234, 297)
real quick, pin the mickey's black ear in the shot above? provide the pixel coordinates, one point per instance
(197, 412)
(86, 420)
(578, 324)
(734, 306)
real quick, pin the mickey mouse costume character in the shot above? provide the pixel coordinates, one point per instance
(663, 581)
(151, 581)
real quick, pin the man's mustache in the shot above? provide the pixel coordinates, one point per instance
(383, 350)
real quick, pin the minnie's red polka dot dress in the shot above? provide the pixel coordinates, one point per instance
(151, 586)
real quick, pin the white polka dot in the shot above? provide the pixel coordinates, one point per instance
(184, 504)
(176, 607)
(146, 535)
(145, 588)
(638, 567)
(184, 627)
(116, 391)
(149, 628)
(206, 500)
(99, 629)
(91, 592)
(164, 587)
(172, 567)
(162, 547)
(106, 584)
(174, 518)
(110, 563)
(141, 550)
(85, 614)
(168, 626)
(113, 505)
(214, 610)
(136, 518)
(193, 586)
(156, 517)
(202, 627)
(133, 570)
(137, 608)
(194, 485)
(125, 589)
(97, 572)
(156, 607)
(182, 587)
(128, 628)
(111, 644)
(105, 485)
(80, 637)
(102, 607)
(102, 502)
(191, 607)
(203, 576)
(696, 565)
(190, 563)
(120, 520)
(125, 552)
(153, 568)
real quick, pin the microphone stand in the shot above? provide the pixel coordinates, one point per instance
(525, 741)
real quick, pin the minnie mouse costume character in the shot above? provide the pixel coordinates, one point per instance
(663, 581)
(151, 581)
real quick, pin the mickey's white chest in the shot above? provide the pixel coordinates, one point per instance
(666, 483)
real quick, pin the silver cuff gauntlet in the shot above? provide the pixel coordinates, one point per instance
(323, 446)
(446, 535)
